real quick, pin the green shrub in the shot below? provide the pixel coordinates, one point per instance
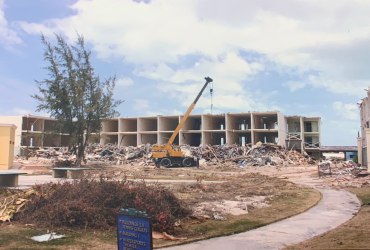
(355, 159)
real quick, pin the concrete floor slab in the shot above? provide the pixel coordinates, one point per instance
(335, 208)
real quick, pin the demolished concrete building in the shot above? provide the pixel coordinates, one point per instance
(363, 140)
(299, 133)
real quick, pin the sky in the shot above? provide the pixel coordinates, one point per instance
(300, 57)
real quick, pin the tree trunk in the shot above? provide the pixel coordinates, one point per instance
(80, 152)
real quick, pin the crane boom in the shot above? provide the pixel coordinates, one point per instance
(185, 117)
(165, 154)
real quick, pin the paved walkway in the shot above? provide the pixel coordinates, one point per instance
(335, 208)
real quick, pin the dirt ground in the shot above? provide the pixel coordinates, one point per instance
(242, 200)
(281, 200)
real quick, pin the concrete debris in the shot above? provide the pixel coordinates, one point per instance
(344, 174)
(218, 217)
(243, 156)
(47, 237)
(340, 168)
(257, 155)
(348, 181)
(231, 207)
(94, 154)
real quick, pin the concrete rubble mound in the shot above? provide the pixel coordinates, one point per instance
(242, 156)
(260, 154)
(94, 154)
(344, 174)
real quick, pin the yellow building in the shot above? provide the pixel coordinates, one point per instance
(7, 138)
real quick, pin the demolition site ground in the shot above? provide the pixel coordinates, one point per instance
(236, 201)
(236, 189)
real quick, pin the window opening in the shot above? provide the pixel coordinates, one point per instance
(308, 127)
(297, 127)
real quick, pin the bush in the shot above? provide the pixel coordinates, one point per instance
(355, 159)
(95, 203)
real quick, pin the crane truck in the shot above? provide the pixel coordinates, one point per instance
(168, 155)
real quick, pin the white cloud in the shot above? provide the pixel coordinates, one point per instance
(299, 37)
(8, 37)
(294, 86)
(141, 104)
(347, 111)
(230, 73)
(124, 81)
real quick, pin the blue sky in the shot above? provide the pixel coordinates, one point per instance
(305, 58)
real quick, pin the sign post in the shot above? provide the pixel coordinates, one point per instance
(134, 230)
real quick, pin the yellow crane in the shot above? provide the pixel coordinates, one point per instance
(168, 155)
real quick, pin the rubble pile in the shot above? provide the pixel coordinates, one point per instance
(91, 204)
(349, 168)
(249, 155)
(94, 154)
(348, 181)
(344, 174)
(257, 155)
(111, 153)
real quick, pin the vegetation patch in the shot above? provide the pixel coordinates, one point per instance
(95, 203)
(85, 210)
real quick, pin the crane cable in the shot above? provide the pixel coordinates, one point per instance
(211, 92)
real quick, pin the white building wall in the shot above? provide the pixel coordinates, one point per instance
(281, 129)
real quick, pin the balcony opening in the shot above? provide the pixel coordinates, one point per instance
(192, 123)
(268, 121)
(214, 122)
(191, 139)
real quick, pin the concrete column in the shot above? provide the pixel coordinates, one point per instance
(367, 131)
(359, 150)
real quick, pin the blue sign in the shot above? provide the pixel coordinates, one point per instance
(134, 233)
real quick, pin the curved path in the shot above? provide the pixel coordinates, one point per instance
(336, 207)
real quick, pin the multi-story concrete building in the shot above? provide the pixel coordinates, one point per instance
(297, 132)
(364, 140)
(31, 132)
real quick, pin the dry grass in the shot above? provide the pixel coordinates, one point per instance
(353, 234)
(288, 199)
(14, 237)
